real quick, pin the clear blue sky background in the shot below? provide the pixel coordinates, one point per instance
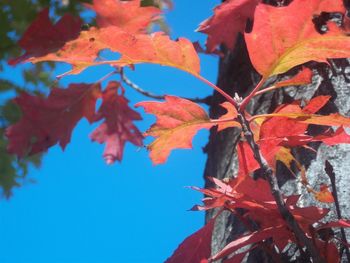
(81, 210)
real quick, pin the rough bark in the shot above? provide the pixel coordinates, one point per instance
(237, 75)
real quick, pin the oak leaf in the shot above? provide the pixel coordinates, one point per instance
(47, 121)
(128, 15)
(42, 37)
(195, 248)
(274, 48)
(83, 50)
(118, 126)
(178, 120)
(229, 19)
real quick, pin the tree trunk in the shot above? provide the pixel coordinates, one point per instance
(237, 75)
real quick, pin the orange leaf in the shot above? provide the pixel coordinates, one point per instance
(83, 51)
(303, 77)
(128, 15)
(324, 195)
(285, 156)
(333, 119)
(178, 120)
(274, 48)
(230, 115)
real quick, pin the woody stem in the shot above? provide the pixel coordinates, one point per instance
(276, 192)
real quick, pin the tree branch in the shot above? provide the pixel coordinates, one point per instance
(146, 93)
(276, 192)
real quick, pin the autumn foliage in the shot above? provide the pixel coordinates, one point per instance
(281, 38)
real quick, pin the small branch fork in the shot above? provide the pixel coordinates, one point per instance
(275, 190)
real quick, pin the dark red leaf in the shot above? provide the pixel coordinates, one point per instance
(228, 20)
(42, 37)
(118, 126)
(46, 122)
(244, 241)
(196, 248)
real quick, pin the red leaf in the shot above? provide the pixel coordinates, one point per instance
(315, 104)
(228, 20)
(237, 258)
(328, 250)
(274, 48)
(156, 48)
(196, 248)
(42, 37)
(128, 15)
(231, 114)
(178, 120)
(244, 241)
(303, 77)
(118, 126)
(247, 162)
(340, 136)
(46, 122)
(339, 223)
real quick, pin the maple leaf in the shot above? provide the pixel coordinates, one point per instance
(195, 248)
(178, 120)
(47, 121)
(274, 48)
(128, 15)
(42, 37)
(117, 127)
(228, 20)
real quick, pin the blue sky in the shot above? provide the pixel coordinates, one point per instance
(81, 210)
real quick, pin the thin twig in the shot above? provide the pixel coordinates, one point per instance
(276, 192)
(247, 99)
(146, 93)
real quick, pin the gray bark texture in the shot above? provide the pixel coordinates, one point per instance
(236, 75)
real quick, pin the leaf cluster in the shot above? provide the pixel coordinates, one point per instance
(266, 139)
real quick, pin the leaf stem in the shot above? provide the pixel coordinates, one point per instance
(275, 190)
(259, 92)
(107, 76)
(222, 120)
(223, 93)
(247, 99)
